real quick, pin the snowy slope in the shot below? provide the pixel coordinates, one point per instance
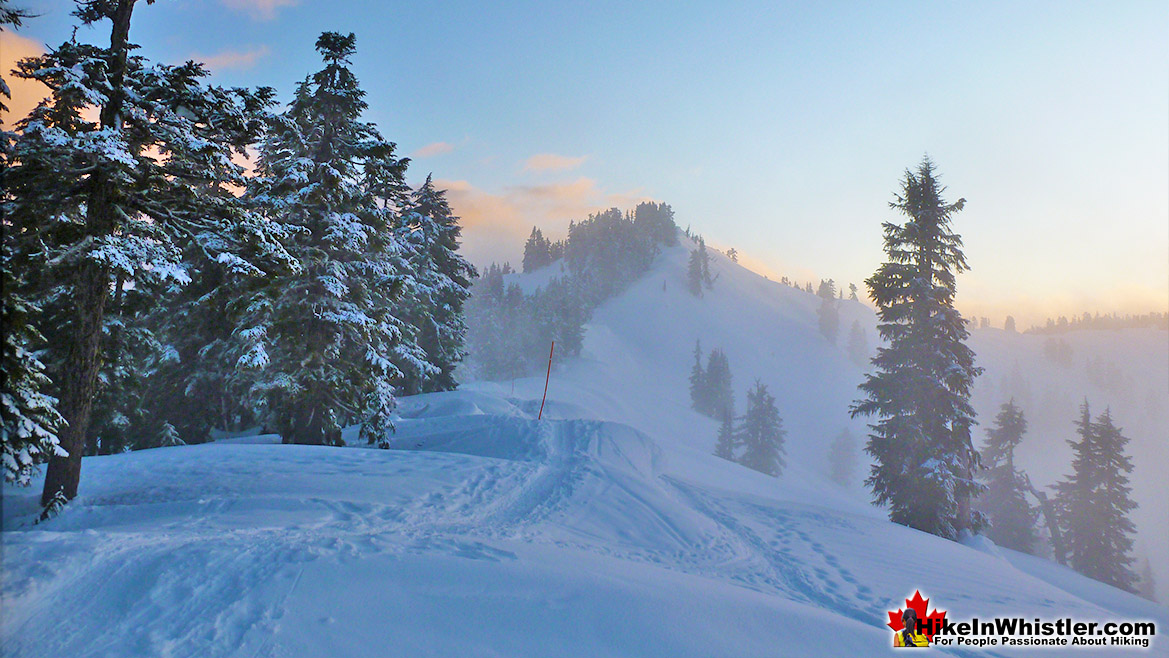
(605, 529)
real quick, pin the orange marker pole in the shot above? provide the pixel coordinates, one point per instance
(546, 378)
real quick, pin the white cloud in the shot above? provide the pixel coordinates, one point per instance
(553, 162)
(433, 149)
(232, 59)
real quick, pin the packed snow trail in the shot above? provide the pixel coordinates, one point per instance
(484, 534)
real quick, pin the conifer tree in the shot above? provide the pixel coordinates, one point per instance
(829, 316)
(852, 293)
(168, 437)
(761, 433)
(1012, 518)
(842, 458)
(28, 413)
(1147, 587)
(657, 221)
(1094, 502)
(89, 201)
(719, 385)
(728, 440)
(334, 340)
(433, 305)
(920, 389)
(698, 397)
(694, 270)
(1009, 325)
(30, 417)
(537, 251)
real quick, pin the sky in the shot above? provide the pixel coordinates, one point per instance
(779, 129)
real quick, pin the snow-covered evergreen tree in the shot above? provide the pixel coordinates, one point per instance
(1094, 502)
(842, 458)
(728, 440)
(657, 221)
(537, 251)
(761, 433)
(828, 314)
(30, 418)
(698, 397)
(694, 274)
(168, 437)
(719, 388)
(90, 201)
(28, 413)
(698, 276)
(333, 339)
(1012, 518)
(441, 284)
(1147, 587)
(920, 389)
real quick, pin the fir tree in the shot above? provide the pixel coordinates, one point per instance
(719, 385)
(1147, 587)
(1094, 503)
(829, 316)
(694, 274)
(433, 305)
(920, 390)
(537, 251)
(842, 458)
(168, 437)
(698, 397)
(91, 201)
(656, 220)
(1009, 325)
(334, 342)
(761, 433)
(1012, 519)
(728, 440)
(30, 417)
(28, 413)
(852, 293)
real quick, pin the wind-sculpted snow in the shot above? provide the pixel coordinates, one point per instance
(486, 532)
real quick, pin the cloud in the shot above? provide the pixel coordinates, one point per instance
(232, 59)
(495, 225)
(25, 93)
(261, 10)
(553, 162)
(433, 149)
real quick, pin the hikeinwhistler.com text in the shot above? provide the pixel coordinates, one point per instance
(1020, 632)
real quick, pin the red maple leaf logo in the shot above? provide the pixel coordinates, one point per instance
(929, 623)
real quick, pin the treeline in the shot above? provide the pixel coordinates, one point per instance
(511, 331)
(153, 291)
(1062, 324)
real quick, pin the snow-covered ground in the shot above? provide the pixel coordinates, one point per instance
(605, 529)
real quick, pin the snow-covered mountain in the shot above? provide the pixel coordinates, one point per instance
(605, 529)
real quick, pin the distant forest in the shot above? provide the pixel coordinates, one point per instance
(1061, 325)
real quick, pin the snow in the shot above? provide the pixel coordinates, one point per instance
(605, 529)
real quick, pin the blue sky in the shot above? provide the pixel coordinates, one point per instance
(778, 129)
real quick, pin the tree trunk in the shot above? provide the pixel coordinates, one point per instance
(90, 291)
(79, 381)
